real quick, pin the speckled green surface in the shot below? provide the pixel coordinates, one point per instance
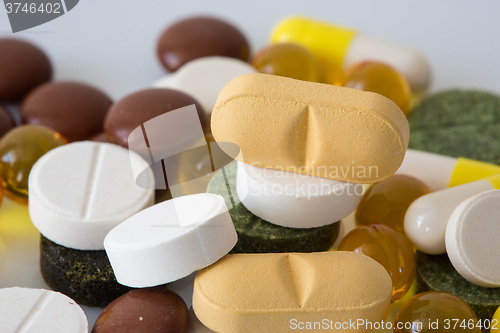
(438, 274)
(85, 276)
(258, 236)
(458, 123)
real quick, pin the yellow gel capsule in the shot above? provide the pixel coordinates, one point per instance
(2, 254)
(436, 312)
(386, 202)
(389, 248)
(338, 48)
(19, 150)
(381, 79)
(1, 194)
(290, 60)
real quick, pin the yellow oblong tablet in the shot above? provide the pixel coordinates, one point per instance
(311, 128)
(245, 293)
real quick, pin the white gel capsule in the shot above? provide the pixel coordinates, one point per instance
(24, 310)
(426, 218)
(80, 191)
(439, 172)
(294, 200)
(205, 77)
(472, 237)
(170, 240)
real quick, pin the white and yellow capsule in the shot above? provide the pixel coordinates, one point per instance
(338, 48)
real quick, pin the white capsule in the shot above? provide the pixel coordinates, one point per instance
(170, 240)
(205, 77)
(472, 239)
(24, 310)
(439, 172)
(294, 200)
(427, 217)
(80, 191)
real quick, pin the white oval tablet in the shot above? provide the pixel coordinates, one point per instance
(41, 311)
(80, 191)
(205, 77)
(472, 239)
(295, 200)
(170, 240)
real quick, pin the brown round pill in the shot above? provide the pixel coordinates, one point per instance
(148, 310)
(6, 121)
(23, 66)
(135, 109)
(76, 110)
(198, 37)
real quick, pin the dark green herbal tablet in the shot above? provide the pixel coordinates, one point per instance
(436, 273)
(84, 276)
(459, 123)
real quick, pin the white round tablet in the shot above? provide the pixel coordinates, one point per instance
(170, 240)
(205, 77)
(40, 311)
(80, 191)
(472, 239)
(294, 200)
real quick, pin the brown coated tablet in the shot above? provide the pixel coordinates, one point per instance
(198, 37)
(148, 310)
(6, 121)
(23, 66)
(135, 109)
(76, 110)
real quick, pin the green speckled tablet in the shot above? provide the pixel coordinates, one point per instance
(459, 123)
(258, 236)
(436, 273)
(84, 276)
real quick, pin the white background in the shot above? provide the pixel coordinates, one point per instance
(111, 43)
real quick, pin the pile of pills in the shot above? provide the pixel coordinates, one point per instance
(262, 159)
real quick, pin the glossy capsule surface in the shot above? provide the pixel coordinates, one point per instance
(436, 312)
(19, 150)
(1, 194)
(389, 248)
(386, 202)
(382, 79)
(290, 60)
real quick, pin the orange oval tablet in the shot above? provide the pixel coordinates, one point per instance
(244, 293)
(311, 128)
